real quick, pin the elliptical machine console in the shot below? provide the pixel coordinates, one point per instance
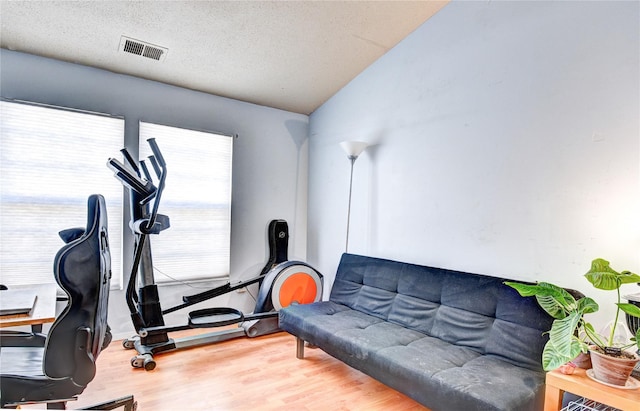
(281, 282)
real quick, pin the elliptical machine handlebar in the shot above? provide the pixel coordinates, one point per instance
(156, 153)
(131, 162)
(160, 167)
(144, 188)
(145, 170)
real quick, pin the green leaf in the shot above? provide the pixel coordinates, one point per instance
(603, 277)
(629, 278)
(630, 309)
(587, 305)
(556, 301)
(525, 290)
(562, 331)
(551, 306)
(553, 358)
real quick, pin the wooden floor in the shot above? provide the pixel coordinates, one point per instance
(242, 374)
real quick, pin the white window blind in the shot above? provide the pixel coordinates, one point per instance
(197, 199)
(52, 160)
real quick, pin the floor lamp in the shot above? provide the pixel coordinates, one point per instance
(353, 150)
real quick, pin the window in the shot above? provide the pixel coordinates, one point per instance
(197, 199)
(51, 161)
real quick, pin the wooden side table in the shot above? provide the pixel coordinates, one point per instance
(579, 384)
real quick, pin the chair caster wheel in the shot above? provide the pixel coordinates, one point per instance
(145, 361)
(149, 364)
(128, 344)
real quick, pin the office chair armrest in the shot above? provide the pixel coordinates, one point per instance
(10, 338)
(85, 363)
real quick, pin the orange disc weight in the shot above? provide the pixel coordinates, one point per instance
(300, 288)
(297, 283)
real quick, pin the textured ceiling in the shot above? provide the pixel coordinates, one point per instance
(291, 55)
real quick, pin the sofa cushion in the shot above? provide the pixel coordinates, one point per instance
(444, 376)
(487, 384)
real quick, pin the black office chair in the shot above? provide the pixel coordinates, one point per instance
(56, 368)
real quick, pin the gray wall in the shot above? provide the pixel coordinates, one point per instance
(270, 155)
(505, 141)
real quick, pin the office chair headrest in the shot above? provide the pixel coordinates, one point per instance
(71, 234)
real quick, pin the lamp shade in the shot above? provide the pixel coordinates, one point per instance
(353, 148)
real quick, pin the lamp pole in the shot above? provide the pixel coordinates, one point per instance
(353, 150)
(353, 160)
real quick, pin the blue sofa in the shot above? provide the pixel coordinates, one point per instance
(450, 340)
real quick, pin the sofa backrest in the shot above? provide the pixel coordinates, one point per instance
(470, 310)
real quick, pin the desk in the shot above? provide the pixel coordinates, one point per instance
(578, 383)
(44, 310)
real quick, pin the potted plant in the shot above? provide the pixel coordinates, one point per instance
(571, 334)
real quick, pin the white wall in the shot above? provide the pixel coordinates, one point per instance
(505, 141)
(270, 156)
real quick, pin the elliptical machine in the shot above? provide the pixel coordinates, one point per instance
(281, 282)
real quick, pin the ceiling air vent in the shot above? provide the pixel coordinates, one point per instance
(140, 48)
